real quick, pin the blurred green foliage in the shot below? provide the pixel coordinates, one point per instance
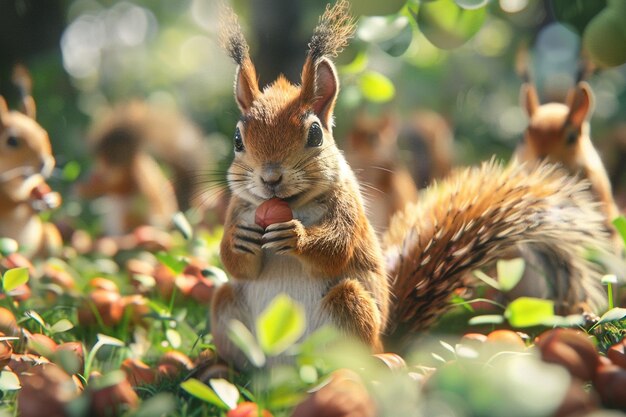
(95, 53)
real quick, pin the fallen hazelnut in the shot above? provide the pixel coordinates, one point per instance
(571, 349)
(114, 397)
(137, 372)
(172, 364)
(617, 354)
(108, 305)
(73, 350)
(100, 283)
(8, 323)
(610, 382)
(506, 337)
(45, 387)
(202, 291)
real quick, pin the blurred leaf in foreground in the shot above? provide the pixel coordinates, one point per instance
(280, 325)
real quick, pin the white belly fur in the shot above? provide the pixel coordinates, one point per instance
(284, 274)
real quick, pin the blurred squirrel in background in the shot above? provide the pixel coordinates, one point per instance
(560, 133)
(26, 161)
(296, 222)
(128, 144)
(393, 158)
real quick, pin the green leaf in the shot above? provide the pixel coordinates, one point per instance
(528, 311)
(358, 64)
(447, 346)
(182, 225)
(620, 225)
(565, 321)
(68, 360)
(108, 340)
(8, 246)
(399, 44)
(376, 87)
(227, 392)
(471, 4)
(614, 314)
(35, 316)
(173, 337)
(393, 34)
(448, 26)
(71, 171)
(9, 381)
(14, 277)
(460, 301)
(174, 263)
(510, 273)
(239, 334)
(486, 319)
(308, 374)
(61, 326)
(280, 325)
(203, 392)
(486, 279)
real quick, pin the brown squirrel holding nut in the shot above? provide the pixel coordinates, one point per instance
(26, 161)
(296, 222)
(560, 133)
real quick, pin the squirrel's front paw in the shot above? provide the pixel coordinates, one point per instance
(247, 239)
(282, 238)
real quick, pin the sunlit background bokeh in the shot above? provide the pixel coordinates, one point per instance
(85, 55)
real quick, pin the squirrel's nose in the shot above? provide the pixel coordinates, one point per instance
(271, 180)
(271, 175)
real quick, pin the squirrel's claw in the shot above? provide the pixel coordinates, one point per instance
(247, 239)
(282, 238)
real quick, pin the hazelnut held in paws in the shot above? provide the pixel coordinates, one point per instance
(272, 211)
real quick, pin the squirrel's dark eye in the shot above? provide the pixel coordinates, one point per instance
(13, 141)
(238, 141)
(315, 136)
(572, 136)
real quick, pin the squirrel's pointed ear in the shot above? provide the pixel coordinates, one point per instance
(30, 108)
(579, 101)
(246, 85)
(529, 98)
(4, 111)
(326, 87)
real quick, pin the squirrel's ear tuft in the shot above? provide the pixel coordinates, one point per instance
(529, 98)
(246, 85)
(579, 101)
(324, 86)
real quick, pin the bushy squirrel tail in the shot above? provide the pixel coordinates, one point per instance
(473, 218)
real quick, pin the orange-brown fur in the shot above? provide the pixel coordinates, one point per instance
(128, 144)
(25, 160)
(328, 258)
(560, 133)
